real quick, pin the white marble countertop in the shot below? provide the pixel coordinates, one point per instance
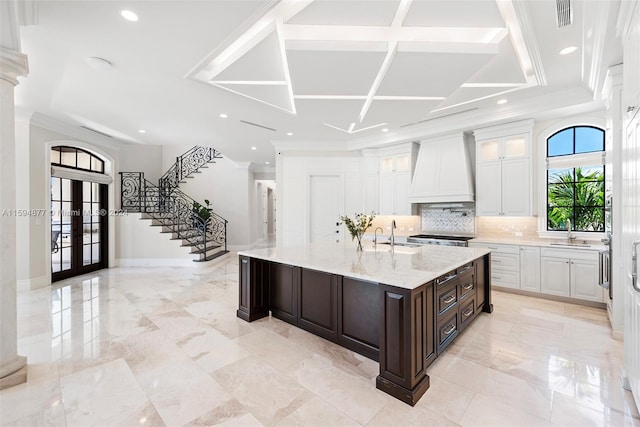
(592, 245)
(404, 267)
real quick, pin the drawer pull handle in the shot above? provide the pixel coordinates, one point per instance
(451, 329)
(465, 269)
(446, 278)
(450, 299)
(496, 277)
(491, 247)
(468, 286)
(495, 260)
(468, 312)
(244, 261)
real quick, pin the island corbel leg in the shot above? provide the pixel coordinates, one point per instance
(254, 289)
(407, 344)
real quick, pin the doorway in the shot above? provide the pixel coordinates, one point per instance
(324, 208)
(79, 235)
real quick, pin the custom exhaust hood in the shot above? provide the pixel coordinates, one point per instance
(444, 171)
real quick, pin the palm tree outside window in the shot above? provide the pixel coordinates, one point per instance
(575, 179)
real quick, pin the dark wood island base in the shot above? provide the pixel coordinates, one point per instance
(403, 329)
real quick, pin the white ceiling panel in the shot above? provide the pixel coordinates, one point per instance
(263, 62)
(333, 73)
(339, 113)
(466, 94)
(352, 12)
(454, 13)
(397, 112)
(503, 68)
(430, 74)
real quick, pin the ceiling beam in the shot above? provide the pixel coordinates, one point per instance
(382, 72)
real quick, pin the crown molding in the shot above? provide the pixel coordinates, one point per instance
(596, 18)
(624, 24)
(528, 35)
(13, 64)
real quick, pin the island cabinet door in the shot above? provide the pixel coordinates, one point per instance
(407, 344)
(284, 282)
(318, 303)
(359, 308)
(253, 289)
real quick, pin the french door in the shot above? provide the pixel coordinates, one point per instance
(78, 227)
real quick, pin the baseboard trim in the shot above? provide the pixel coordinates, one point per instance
(25, 285)
(155, 262)
(551, 297)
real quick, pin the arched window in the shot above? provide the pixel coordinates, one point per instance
(76, 158)
(575, 179)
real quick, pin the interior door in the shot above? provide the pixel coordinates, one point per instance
(78, 227)
(631, 233)
(325, 208)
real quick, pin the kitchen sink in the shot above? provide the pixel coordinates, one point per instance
(408, 245)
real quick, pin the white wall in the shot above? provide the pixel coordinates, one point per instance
(292, 181)
(140, 244)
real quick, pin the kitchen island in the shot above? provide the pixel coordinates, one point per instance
(399, 306)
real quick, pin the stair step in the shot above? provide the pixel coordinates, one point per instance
(209, 249)
(211, 257)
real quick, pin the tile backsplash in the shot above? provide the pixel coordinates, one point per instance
(451, 218)
(507, 226)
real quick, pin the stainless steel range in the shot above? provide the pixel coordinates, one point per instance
(435, 239)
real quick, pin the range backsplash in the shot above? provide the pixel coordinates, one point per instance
(448, 218)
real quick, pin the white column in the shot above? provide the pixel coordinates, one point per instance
(13, 368)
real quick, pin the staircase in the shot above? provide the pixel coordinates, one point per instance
(175, 212)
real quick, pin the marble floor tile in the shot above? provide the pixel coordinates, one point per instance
(95, 396)
(268, 394)
(163, 347)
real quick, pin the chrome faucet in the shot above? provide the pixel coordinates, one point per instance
(392, 239)
(570, 235)
(375, 234)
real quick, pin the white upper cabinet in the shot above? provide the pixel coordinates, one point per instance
(503, 170)
(387, 179)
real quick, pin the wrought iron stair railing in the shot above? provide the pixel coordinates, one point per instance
(174, 210)
(186, 165)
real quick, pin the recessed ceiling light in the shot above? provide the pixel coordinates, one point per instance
(129, 15)
(289, 133)
(98, 63)
(223, 116)
(567, 50)
(142, 131)
(267, 163)
(502, 101)
(253, 148)
(385, 130)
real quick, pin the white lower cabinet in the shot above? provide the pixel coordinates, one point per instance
(530, 268)
(556, 276)
(570, 273)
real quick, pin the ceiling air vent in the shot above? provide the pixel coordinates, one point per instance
(564, 13)
(96, 131)
(257, 125)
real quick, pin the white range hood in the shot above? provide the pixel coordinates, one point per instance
(444, 170)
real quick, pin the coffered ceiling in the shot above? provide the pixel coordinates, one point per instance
(321, 73)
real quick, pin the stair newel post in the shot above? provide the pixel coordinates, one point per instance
(225, 235)
(179, 171)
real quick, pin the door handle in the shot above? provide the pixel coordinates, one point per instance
(634, 265)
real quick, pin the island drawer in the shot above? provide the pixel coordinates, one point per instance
(467, 312)
(466, 285)
(447, 331)
(447, 297)
(465, 268)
